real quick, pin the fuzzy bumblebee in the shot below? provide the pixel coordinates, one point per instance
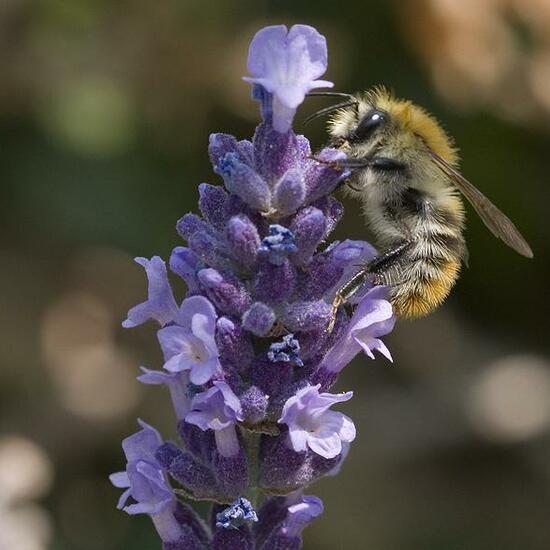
(404, 170)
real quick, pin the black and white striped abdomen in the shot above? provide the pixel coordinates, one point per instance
(431, 265)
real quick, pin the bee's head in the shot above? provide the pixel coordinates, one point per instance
(393, 134)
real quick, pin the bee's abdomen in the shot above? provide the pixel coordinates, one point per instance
(425, 274)
(428, 273)
(419, 296)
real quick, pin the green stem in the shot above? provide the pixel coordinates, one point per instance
(252, 445)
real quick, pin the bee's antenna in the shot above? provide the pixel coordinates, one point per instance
(349, 97)
(328, 110)
(351, 101)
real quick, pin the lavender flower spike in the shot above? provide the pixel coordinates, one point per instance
(287, 64)
(218, 409)
(311, 424)
(248, 359)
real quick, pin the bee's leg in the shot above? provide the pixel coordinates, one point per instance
(336, 164)
(346, 292)
(341, 164)
(388, 257)
(378, 265)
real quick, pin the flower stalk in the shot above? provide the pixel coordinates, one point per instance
(252, 444)
(248, 355)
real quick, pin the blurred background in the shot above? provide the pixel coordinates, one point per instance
(105, 111)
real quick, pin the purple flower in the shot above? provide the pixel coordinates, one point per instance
(287, 64)
(278, 244)
(330, 269)
(275, 283)
(218, 409)
(184, 263)
(233, 539)
(236, 515)
(282, 520)
(146, 483)
(372, 318)
(191, 344)
(307, 316)
(160, 304)
(302, 511)
(311, 423)
(283, 470)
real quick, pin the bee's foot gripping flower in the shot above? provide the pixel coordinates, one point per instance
(248, 359)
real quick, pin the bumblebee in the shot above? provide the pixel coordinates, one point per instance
(404, 171)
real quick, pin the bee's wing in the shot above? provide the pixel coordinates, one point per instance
(499, 224)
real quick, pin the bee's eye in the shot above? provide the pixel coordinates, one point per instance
(367, 126)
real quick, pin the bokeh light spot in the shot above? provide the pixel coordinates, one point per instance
(510, 399)
(25, 470)
(93, 116)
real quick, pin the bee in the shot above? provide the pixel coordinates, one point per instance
(404, 170)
